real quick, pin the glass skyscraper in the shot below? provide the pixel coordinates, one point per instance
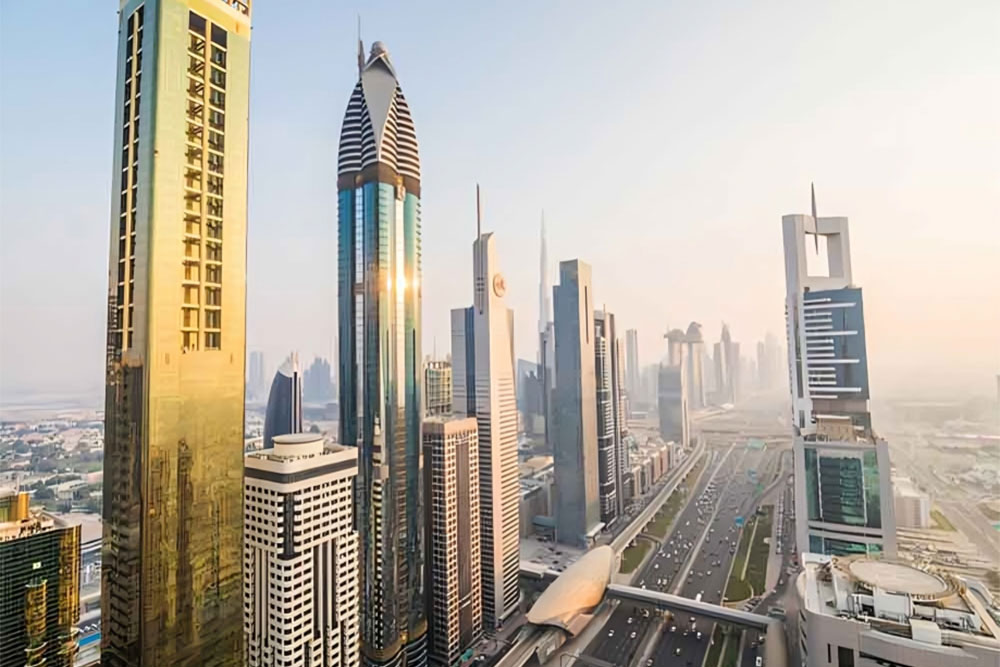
(173, 461)
(284, 402)
(379, 306)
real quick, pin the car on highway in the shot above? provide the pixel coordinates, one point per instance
(611, 632)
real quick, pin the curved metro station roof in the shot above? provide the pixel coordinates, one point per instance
(577, 591)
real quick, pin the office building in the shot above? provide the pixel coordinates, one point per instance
(437, 387)
(843, 488)
(483, 362)
(843, 491)
(578, 509)
(727, 367)
(455, 604)
(300, 555)
(672, 391)
(694, 340)
(619, 404)
(379, 315)
(175, 347)
(608, 436)
(39, 585)
(633, 372)
(824, 315)
(869, 612)
(284, 402)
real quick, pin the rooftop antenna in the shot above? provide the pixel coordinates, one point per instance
(479, 214)
(812, 188)
(361, 48)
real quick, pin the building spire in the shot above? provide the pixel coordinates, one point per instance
(479, 214)
(361, 48)
(812, 189)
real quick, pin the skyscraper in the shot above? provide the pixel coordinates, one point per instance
(633, 373)
(672, 390)
(546, 338)
(578, 509)
(695, 342)
(379, 310)
(39, 585)
(451, 466)
(608, 420)
(300, 580)
(619, 404)
(843, 488)
(255, 376)
(173, 458)
(483, 381)
(284, 402)
(437, 387)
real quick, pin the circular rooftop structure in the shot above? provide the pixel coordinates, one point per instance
(895, 577)
(577, 591)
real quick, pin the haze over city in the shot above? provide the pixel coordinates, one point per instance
(663, 145)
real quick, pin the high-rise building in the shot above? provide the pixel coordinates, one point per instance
(317, 383)
(619, 403)
(437, 387)
(176, 351)
(607, 429)
(546, 338)
(39, 585)
(300, 555)
(284, 402)
(255, 377)
(451, 468)
(633, 373)
(483, 362)
(672, 390)
(695, 342)
(578, 509)
(379, 312)
(843, 488)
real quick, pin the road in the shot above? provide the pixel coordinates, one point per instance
(693, 560)
(622, 633)
(709, 562)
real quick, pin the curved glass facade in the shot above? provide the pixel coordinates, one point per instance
(379, 306)
(284, 403)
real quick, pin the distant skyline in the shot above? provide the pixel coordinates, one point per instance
(664, 142)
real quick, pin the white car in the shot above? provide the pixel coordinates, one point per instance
(611, 633)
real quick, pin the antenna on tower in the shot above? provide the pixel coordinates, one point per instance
(361, 48)
(479, 214)
(812, 189)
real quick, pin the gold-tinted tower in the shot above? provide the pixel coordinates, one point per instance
(173, 466)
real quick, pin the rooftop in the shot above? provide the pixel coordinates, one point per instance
(899, 599)
(569, 600)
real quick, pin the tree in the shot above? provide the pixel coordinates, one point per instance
(314, 429)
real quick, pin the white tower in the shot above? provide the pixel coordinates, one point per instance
(483, 384)
(300, 554)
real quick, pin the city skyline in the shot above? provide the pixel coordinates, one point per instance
(895, 227)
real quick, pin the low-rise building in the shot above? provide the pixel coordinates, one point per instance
(913, 506)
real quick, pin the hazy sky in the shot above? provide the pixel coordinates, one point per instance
(664, 141)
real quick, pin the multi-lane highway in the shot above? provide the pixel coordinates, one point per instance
(713, 546)
(693, 560)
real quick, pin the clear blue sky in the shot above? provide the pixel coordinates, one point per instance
(664, 141)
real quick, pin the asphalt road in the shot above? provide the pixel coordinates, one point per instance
(725, 491)
(709, 571)
(622, 633)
